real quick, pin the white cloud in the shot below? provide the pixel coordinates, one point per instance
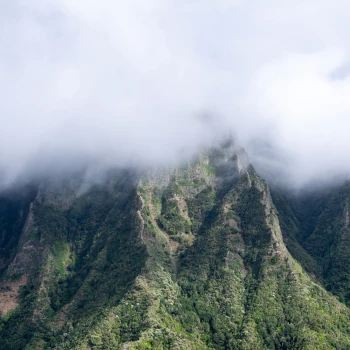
(309, 110)
(119, 80)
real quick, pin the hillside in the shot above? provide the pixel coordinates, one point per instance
(316, 230)
(185, 258)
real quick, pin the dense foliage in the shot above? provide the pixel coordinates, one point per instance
(319, 234)
(191, 258)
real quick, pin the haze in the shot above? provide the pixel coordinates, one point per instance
(114, 82)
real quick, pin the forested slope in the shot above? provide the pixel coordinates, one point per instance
(186, 258)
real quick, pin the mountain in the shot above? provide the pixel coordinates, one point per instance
(185, 258)
(317, 232)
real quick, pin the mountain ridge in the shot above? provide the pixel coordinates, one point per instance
(186, 258)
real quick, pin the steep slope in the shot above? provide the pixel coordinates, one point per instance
(14, 209)
(187, 258)
(238, 265)
(70, 250)
(321, 230)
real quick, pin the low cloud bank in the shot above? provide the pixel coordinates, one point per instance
(140, 82)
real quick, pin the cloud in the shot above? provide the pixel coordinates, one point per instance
(310, 111)
(118, 82)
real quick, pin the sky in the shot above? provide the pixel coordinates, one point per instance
(149, 81)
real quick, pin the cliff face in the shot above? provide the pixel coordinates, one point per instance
(187, 258)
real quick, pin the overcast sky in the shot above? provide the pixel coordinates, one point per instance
(128, 80)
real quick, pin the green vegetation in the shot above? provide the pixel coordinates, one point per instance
(14, 209)
(318, 235)
(171, 219)
(192, 258)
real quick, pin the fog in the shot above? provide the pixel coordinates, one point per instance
(106, 83)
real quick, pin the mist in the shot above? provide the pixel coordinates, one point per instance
(106, 83)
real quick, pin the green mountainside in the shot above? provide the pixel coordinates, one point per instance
(186, 258)
(317, 232)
